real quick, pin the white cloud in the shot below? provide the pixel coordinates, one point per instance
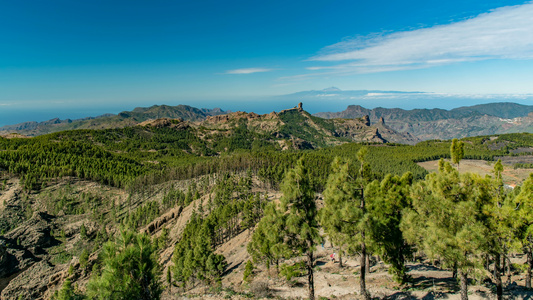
(327, 95)
(248, 71)
(427, 95)
(503, 33)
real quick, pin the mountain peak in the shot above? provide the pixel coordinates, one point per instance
(332, 89)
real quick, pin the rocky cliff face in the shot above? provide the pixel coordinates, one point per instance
(24, 258)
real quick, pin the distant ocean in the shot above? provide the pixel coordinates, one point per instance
(10, 115)
(313, 102)
(16, 116)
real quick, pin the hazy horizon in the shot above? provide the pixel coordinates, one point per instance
(80, 59)
(314, 101)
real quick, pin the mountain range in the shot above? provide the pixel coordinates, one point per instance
(123, 119)
(291, 128)
(395, 124)
(426, 124)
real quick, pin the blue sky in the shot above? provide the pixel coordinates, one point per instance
(82, 58)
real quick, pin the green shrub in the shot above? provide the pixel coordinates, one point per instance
(248, 271)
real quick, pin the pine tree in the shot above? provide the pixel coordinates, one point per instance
(66, 292)
(344, 215)
(457, 151)
(524, 223)
(267, 244)
(169, 278)
(447, 220)
(500, 219)
(248, 271)
(292, 228)
(83, 231)
(301, 223)
(130, 270)
(84, 259)
(387, 199)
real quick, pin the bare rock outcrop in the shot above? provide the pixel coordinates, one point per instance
(30, 284)
(376, 137)
(271, 116)
(167, 122)
(156, 224)
(20, 248)
(14, 259)
(350, 128)
(366, 120)
(34, 234)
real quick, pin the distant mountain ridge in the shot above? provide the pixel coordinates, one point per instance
(483, 119)
(403, 126)
(504, 110)
(334, 99)
(292, 128)
(123, 119)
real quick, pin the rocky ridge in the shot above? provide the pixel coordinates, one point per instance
(298, 125)
(428, 124)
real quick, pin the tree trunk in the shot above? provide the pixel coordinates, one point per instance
(310, 279)
(367, 264)
(464, 285)
(277, 268)
(529, 266)
(503, 264)
(498, 277)
(362, 279)
(366, 295)
(454, 270)
(340, 257)
(508, 260)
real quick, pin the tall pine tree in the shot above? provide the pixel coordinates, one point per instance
(344, 215)
(292, 228)
(524, 223)
(447, 220)
(457, 151)
(301, 223)
(386, 201)
(267, 244)
(499, 220)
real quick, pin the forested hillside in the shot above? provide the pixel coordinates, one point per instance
(247, 205)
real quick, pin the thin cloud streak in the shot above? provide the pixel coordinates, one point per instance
(504, 33)
(248, 71)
